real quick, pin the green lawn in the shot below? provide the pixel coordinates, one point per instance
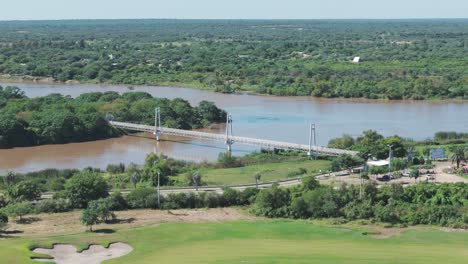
(269, 171)
(279, 241)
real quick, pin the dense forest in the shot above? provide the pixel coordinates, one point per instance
(400, 59)
(58, 119)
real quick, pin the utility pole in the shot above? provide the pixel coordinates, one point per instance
(159, 192)
(390, 156)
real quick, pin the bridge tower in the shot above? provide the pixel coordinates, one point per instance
(157, 123)
(312, 140)
(229, 141)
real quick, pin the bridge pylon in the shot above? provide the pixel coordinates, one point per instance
(157, 123)
(229, 141)
(312, 140)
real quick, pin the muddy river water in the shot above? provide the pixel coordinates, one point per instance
(277, 118)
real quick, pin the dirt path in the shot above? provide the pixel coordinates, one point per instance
(69, 223)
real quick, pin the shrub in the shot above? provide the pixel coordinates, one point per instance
(248, 196)
(143, 198)
(230, 197)
(212, 200)
(117, 202)
(3, 220)
(53, 206)
(358, 210)
(272, 202)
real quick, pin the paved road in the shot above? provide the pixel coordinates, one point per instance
(217, 189)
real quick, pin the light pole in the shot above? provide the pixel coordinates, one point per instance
(390, 156)
(158, 188)
(159, 201)
(311, 137)
(365, 171)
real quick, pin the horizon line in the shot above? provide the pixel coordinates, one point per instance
(233, 19)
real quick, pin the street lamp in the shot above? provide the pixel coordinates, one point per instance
(159, 201)
(158, 188)
(390, 156)
(365, 170)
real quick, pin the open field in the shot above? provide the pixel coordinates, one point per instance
(269, 171)
(244, 239)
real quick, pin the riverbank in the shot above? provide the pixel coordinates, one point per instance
(10, 79)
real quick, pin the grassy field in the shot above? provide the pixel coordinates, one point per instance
(269, 171)
(261, 241)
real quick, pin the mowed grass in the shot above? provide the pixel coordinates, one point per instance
(264, 241)
(269, 171)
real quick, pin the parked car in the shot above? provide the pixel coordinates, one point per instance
(385, 178)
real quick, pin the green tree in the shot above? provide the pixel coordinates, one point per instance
(344, 142)
(90, 217)
(458, 155)
(13, 132)
(24, 190)
(19, 209)
(84, 187)
(414, 173)
(103, 208)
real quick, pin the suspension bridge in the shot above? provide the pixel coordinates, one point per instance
(230, 139)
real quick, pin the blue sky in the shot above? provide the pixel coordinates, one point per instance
(232, 9)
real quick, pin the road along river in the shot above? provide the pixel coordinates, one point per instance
(275, 118)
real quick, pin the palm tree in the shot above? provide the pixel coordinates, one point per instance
(459, 154)
(257, 177)
(414, 173)
(196, 179)
(135, 178)
(9, 179)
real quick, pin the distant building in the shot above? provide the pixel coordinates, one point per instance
(378, 163)
(357, 59)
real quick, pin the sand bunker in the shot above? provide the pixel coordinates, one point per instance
(67, 254)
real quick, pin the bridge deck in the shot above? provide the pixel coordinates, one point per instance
(237, 139)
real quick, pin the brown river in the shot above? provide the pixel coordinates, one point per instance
(276, 118)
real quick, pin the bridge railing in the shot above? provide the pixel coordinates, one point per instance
(242, 140)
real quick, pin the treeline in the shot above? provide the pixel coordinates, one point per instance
(424, 203)
(90, 191)
(400, 59)
(58, 119)
(121, 176)
(372, 145)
